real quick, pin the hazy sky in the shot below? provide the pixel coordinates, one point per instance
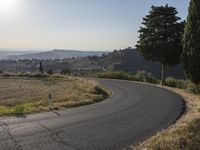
(75, 24)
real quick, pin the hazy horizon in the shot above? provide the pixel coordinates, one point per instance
(44, 50)
(75, 24)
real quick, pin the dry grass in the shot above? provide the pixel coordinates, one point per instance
(32, 93)
(185, 134)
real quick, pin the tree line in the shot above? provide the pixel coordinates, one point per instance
(165, 39)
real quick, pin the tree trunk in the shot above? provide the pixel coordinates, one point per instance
(163, 75)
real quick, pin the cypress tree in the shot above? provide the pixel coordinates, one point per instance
(41, 68)
(191, 43)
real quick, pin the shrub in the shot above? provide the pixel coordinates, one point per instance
(172, 82)
(50, 71)
(65, 72)
(144, 76)
(100, 90)
(185, 83)
(180, 84)
(141, 76)
(6, 75)
(19, 110)
(193, 88)
(114, 75)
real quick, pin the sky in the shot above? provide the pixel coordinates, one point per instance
(75, 24)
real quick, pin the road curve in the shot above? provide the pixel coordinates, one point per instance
(134, 112)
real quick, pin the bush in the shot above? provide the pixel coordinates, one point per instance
(50, 71)
(180, 84)
(144, 76)
(172, 82)
(193, 88)
(6, 75)
(141, 76)
(19, 110)
(185, 84)
(65, 72)
(114, 75)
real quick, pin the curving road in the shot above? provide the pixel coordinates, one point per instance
(133, 113)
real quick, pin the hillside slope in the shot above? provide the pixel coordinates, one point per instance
(129, 60)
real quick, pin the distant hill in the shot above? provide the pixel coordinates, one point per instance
(55, 54)
(4, 54)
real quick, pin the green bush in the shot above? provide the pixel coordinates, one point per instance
(19, 110)
(114, 75)
(185, 84)
(172, 82)
(141, 76)
(144, 76)
(193, 88)
(180, 84)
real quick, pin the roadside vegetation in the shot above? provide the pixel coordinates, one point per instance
(141, 76)
(23, 94)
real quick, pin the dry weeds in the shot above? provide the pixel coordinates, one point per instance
(33, 93)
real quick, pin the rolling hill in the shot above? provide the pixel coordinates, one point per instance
(54, 54)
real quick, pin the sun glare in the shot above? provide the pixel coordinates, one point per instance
(8, 6)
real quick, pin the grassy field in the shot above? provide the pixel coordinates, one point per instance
(20, 95)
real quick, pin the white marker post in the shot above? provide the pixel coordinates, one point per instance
(49, 101)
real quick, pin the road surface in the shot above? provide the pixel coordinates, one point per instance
(134, 112)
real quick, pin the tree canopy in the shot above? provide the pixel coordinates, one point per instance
(160, 36)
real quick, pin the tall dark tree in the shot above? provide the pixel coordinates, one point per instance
(69, 70)
(160, 37)
(191, 43)
(41, 68)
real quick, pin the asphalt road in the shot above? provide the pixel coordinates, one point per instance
(133, 113)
